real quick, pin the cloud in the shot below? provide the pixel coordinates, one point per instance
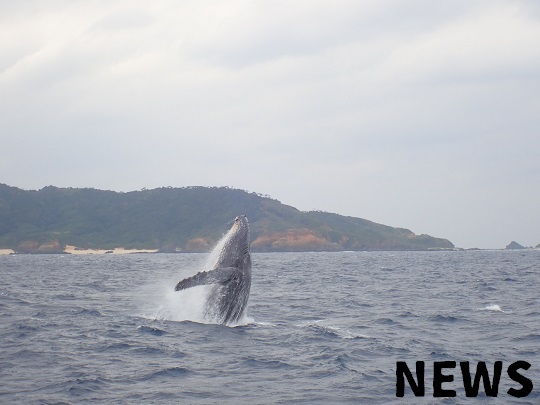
(416, 114)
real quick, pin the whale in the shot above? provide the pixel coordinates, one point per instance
(229, 277)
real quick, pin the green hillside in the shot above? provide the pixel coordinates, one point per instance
(182, 219)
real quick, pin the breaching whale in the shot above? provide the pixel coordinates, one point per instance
(230, 277)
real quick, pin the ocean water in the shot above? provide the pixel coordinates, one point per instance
(322, 328)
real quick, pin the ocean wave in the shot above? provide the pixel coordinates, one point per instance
(260, 323)
(66, 297)
(39, 314)
(171, 372)
(150, 351)
(530, 337)
(494, 308)
(150, 330)
(82, 386)
(332, 331)
(444, 318)
(265, 363)
(113, 347)
(89, 312)
(345, 362)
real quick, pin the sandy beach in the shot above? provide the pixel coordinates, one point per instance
(117, 251)
(77, 251)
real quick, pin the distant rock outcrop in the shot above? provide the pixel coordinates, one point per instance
(514, 245)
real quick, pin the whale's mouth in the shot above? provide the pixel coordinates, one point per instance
(241, 219)
(241, 224)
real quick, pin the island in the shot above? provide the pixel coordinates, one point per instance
(188, 219)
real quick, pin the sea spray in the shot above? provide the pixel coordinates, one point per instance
(182, 307)
(215, 254)
(493, 307)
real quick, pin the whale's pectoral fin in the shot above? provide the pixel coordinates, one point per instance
(218, 276)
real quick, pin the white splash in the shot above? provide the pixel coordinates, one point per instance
(333, 330)
(244, 321)
(167, 304)
(494, 307)
(213, 256)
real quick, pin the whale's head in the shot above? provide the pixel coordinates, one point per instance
(235, 252)
(241, 226)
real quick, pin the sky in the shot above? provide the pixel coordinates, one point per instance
(416, 114)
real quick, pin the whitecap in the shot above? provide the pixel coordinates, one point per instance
(332, 330)
(251, 321)
(493, 307)
(346, 334)
(244, 321)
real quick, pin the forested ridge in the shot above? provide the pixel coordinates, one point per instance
(182, 219)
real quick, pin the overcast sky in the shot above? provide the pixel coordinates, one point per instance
(416, 114)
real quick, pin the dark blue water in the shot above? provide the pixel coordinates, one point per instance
(322, 327)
